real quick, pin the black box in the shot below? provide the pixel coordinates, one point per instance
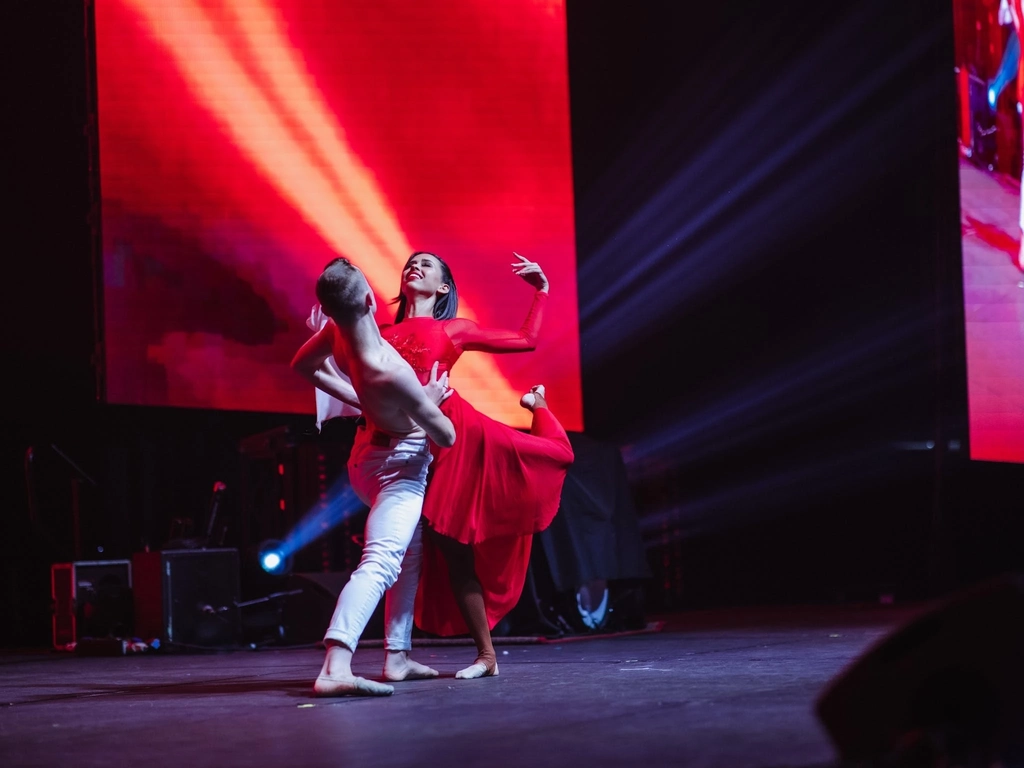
(188, 597)
(91, 599)
(983, 150)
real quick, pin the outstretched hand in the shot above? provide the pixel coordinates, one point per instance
(436, 388)
(531, 272)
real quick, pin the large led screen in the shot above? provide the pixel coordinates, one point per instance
(990, 89)
(245, 143)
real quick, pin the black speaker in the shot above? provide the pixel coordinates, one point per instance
(945, 685)
(983, 124)
(188, 597)
(91, 599)
(306, 615)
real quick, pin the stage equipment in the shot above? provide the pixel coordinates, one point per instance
(188, 597)
(983, 147)
(274, 559)
(306, 615)
(944, 689)
(91, 599)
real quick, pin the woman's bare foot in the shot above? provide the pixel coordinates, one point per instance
(534, 398)
(482, 667)
(398, 667)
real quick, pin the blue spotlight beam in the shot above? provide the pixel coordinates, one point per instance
(339, 504)
(737, 505)
(798, 392)
(673, 237)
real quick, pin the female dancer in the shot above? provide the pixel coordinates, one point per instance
(490, 492)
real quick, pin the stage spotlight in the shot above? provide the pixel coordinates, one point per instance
(274, 559)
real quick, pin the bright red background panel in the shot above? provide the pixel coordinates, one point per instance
(243, 144)
(990, 225)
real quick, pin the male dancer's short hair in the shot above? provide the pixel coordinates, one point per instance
(341, 289)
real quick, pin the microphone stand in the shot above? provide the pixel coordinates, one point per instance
(76, 507)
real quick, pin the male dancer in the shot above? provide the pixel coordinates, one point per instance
(387, 469)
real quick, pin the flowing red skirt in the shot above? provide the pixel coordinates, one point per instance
(493, 489)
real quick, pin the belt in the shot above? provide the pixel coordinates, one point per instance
(380, 439)
(377, 438)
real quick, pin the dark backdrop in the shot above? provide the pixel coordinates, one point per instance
(770, 310)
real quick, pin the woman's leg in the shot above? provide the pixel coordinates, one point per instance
(545, 425)
(469, 596)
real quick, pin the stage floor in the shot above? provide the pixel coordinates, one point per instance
(720, 688)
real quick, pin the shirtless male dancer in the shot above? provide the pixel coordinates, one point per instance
(387, 470)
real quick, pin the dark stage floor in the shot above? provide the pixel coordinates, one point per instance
(724, 688)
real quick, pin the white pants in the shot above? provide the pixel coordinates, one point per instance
(391, 477)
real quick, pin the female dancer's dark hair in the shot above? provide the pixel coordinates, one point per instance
(447, 305)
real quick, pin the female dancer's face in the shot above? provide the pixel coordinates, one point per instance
(423, 276)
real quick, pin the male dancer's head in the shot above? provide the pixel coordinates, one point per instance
(344, 293)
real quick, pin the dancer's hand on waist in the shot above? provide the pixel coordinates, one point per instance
(436, 388)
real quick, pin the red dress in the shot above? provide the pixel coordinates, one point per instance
(495, 487)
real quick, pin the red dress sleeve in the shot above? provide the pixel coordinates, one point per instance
(467, 335)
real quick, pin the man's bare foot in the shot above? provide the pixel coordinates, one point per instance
(398, 667)
(350, 686)
(534, 398)
(480, 668)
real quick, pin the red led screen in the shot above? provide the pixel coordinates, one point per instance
(990, 90)
(245, 143)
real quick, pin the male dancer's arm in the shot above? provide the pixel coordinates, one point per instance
(311, 363)
(412, 398)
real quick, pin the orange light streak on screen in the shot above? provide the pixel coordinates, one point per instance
(248, 114)
(242, 69)
(291, 87)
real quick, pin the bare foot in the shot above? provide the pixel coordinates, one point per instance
(350, 686)
(398, 667)
(480, 668)
(534, 398)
